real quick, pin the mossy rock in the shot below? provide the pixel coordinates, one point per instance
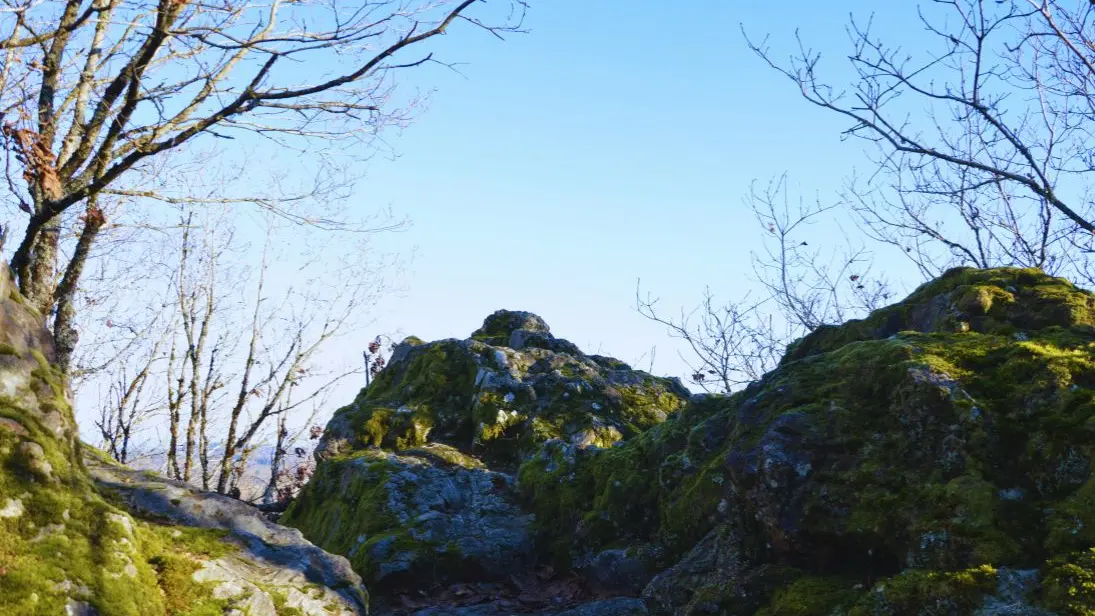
(415, 477)
(499, 327)
(428, 515)
(931, 593)
(1002, 301)
(897, 444)
(1070, 584)
(498, 402)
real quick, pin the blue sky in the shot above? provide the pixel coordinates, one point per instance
(609, 143)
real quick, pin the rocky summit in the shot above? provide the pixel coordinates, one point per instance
(416, 481)
(933, 458)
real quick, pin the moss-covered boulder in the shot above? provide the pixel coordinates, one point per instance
(415, 477)
(908, 463)
(408, 521)
(69, 545)
(500, 394)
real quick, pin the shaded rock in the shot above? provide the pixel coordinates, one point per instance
(709, 576)
(407, 521)
(625, 571)
(79, 608)
(609, 607)
(620, 606)
(1015, 591)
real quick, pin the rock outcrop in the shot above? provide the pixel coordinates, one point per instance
(933, 458)
(499, 395)
(80, 535)
(415, 479)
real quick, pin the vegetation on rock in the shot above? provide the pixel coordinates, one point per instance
(414, 479)
(896, 452)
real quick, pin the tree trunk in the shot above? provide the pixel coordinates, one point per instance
(65, 336)
(270, 496)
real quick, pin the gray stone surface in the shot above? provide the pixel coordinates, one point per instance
(270, 559)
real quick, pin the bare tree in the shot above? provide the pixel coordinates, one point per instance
(235, 366)
(811, 285)
(266, 394)
(729, 345)
(289, 473)
(127, 406)
(94, 94)
(982, 140)
(376, 356)
(801, 287)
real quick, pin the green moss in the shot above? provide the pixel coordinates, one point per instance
(281, 607)
(70, 539)
(445, 455)
(995, 301)
(396, 429)
(812, 596)
(435, 379)
(649, 405)
(344, 511)
(600, 498)
(182, 595)
(1069, 586)
(69, 542)
(333, 513)
(928, 593)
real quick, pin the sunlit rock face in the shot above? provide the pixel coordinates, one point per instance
(80, 535)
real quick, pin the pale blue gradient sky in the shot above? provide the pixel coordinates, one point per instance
(612, 142)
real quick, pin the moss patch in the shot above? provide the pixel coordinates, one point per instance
(1069, 586)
